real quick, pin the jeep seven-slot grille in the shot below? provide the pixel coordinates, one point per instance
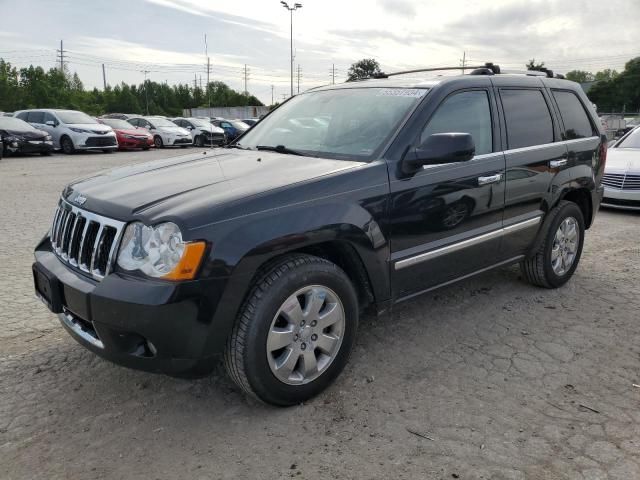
(84, 240)
(621, 181)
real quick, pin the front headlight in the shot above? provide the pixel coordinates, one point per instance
(47, 138)
(159, 252)
(79, 130)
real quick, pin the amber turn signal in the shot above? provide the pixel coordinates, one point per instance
(189, 263)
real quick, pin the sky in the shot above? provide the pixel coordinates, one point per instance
(166, 37)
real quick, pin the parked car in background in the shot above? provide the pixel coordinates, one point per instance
(121, 116)
(202, 131)
(71, 130)
(20, 137)
(128, 136)
(622, 174)
(232, 128)
(249, 121)
(165, 132)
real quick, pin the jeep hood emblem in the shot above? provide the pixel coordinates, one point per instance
(80, 199)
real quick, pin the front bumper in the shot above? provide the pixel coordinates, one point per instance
(92, 141)
(148, 325)
(175, 141)
(124, 142)
(623, 199)
(30, 146)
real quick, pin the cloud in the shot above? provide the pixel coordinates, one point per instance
(399, 7)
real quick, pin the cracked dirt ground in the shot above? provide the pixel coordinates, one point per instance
(495, 378)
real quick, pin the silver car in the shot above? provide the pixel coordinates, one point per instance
(622, 173)
(71, 130)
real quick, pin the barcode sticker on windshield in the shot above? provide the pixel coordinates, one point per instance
(401, 92)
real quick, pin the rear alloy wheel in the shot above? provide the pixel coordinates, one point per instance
(553, 264)
(295, 331)
(67, 145)
(157, 141)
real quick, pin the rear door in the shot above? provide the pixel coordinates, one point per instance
(533, 150)
(445, 218)
(578, 131)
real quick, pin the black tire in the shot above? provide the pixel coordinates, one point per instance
(66, 144)
(145, 148)
(107, 151)
(245, 356)
(537, 269)
(157, 141)
(198, 141)
(44, 154)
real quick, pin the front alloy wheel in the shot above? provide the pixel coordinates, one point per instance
(295, 331)
(305, 335)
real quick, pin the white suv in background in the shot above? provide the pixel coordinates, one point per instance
(165, 132)
(71, 130)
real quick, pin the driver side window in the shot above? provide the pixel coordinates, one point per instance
(464, 112)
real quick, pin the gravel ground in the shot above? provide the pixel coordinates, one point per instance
(489, 378)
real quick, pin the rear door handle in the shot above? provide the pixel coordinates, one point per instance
(490, 179)
(558, 163)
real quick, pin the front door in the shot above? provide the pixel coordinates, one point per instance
(446, 219)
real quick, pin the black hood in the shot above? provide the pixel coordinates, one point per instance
(26, 134)
(184, 185)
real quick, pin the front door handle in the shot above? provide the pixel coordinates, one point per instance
(490, 179)
(558, 163)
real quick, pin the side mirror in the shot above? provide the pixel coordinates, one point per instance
(189, 127)
(440, 148)
(51, 123)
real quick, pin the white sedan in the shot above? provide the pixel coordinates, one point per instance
(622, 173)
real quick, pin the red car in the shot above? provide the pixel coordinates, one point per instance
(129, 136)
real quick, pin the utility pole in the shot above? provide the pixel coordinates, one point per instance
(195, 81)
(291, 10)
(464, 61)
(104, 77)
(299, 74)
(333, 74)
(271, 94)
(246, 75)
(61, 53)
(206, 53)
(146, 95)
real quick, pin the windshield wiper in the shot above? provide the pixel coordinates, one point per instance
(236, 145)
(279, 149)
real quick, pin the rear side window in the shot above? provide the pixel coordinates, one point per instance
(528, 118)
(36, 117)
(464, 112)
(575, 119)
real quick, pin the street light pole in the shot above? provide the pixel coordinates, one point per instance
(291, 10)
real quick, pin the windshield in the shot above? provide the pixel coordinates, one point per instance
(75, 117)
(199, 122)
(239, 125)
(116, 123)
(632, 141)
(11, 123)
(161, 122)
(345, 123)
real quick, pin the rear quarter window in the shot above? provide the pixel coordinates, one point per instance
(527, 117)
(574, 117)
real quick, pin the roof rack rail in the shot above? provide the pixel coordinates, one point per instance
(488, 68)
(418, 70)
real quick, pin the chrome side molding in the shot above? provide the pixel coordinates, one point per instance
(430, 255)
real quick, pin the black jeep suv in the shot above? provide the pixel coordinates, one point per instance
(357, 195)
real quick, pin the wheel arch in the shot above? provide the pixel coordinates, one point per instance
(582, 197)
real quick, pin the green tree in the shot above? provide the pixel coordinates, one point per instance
(365, 68)
(532, 65)
(606, 75)
(580, 76)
